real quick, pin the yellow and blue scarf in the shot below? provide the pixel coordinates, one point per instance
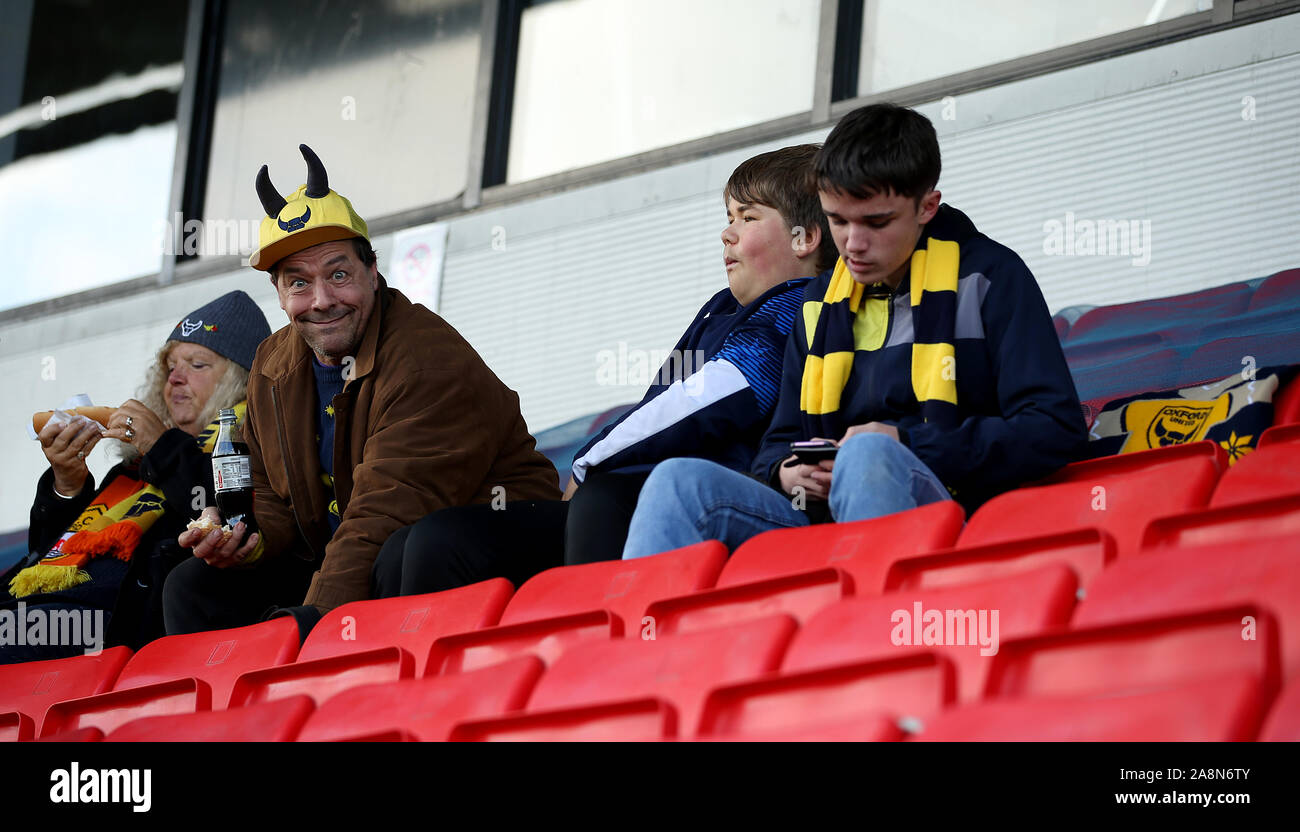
(844, 322)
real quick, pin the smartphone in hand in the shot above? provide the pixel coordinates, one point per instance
(811, 452)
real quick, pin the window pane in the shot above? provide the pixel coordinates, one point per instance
(382, 92)
(906, 42)
(88, 96)
(601, 79)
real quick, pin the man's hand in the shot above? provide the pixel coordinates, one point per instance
(145, 427)
(570, 489)
(210, 548)
(870, 427)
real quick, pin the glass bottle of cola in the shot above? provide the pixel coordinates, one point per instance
(232, 476)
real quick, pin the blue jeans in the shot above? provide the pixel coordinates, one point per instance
(688, 501)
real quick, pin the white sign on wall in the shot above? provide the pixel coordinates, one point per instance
(416, 263)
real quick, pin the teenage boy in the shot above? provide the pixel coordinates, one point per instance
(927, 359)
(711, 400)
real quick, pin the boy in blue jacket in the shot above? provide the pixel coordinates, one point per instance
(926, 359)
(712, 400)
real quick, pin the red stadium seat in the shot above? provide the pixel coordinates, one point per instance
(1086, 551)
(800, 596)
(1223, 357)
(1263, 572)
(425, 709)
(680, 670)
(570, 604)
(1111, 350)
(16, 727)
(1222, 709)
(1121, 505)
(905, 686)
(1225, 524)
(412, 622)
(1140, 316)
(277, 721)
(1283, 722)
(868, 728)
(1264, 473)
(1277, 289)
(1278, 435)
(892, 625)
(75, 735)
(1140, 655)
(182, 674)
(1157, 370)
(32, 687)
(1286, 407)
(636, 720)
(864, 549)
(323, 678)
(1121, 465)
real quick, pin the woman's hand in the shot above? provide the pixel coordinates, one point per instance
(136, 425)
(66, 446)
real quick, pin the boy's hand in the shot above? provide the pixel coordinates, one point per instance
(870, 427)
(815, 480)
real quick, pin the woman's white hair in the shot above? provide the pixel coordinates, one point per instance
(230, 391)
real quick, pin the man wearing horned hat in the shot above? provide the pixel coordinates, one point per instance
(365, 414)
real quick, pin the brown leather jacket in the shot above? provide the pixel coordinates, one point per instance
(421, 424)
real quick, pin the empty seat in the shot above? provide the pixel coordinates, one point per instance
(1277, 289)
(182, 674)
(374, 642)
(864, 549)
(412, 622)
(1283, 721)
(866, 728)
(428, 708)
(570, 604)
(637, 720)
(1272, 471)
(679, 670)
(799, 596)
(965, 623)
(1121, 465)
(1253, 520)
(1223, 709)
(1206, 305)
(1086, 551)
(277, 721)
(91, 734)
(1286, 406)
(1262, 572)
(1225, 357)
(1121, 505)
(30, 688)
(16, 727)
(1140, 655)
(1157, 370)
(1093, 353)
(790, 702)
(1278, 435)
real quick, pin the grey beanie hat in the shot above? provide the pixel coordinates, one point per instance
(231, 326)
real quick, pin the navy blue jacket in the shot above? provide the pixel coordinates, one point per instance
(713, 397)
(1020, 415)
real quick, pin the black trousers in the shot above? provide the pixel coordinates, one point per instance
(198, 597)
(459, 546)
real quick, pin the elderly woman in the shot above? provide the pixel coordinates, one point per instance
(109, 548)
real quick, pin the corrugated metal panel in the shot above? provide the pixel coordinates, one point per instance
(1220, 192)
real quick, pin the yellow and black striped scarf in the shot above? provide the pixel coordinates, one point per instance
(111, 525)
(839, 325)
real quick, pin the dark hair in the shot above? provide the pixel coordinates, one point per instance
(880, 149)
(364, 251)
(783, 179)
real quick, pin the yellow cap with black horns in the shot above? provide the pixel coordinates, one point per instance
(311, 215)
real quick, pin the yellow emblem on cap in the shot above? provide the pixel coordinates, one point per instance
(311, 215)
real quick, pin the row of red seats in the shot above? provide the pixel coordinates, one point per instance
(699, 589)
